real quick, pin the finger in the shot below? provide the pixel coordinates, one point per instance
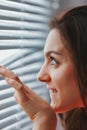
(19, 87)
(16, 97)
(27, 89)
(21, 97)
(8, 73)
(20, 94)
(15, 84)
(24, 102)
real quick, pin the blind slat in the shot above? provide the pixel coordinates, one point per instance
(23, 16)
(24, 7)
(21, 43)
(21, 34)
(42, 3)
(22, 25)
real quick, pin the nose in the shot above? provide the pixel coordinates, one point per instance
(43, 75)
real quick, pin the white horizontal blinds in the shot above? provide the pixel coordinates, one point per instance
(23, 30)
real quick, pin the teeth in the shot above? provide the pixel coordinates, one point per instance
(53, 91)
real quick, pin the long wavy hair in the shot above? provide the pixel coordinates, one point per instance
(72, 26)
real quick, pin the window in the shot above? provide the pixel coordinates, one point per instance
(23, 30)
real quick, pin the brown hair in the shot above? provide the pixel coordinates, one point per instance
(73, 29)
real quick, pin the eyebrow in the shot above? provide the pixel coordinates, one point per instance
(54, 52)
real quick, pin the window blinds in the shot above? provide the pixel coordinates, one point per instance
(23, 30)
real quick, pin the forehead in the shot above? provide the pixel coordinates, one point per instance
(54, 42)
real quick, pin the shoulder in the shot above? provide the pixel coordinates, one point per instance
(59, 124)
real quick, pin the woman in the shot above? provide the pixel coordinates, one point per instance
(64, 71)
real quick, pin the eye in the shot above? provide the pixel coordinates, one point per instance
(53, 61)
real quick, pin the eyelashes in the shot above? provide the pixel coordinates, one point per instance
(53, 61)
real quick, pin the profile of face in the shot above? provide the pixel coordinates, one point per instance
(58, 73)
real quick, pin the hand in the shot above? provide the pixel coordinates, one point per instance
(34, 106)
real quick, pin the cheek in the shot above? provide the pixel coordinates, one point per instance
(62, 76)
(68, 94)
(65, 80)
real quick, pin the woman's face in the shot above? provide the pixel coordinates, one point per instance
(58, 73)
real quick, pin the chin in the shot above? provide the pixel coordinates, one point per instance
(56, 108)
(60, 109)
